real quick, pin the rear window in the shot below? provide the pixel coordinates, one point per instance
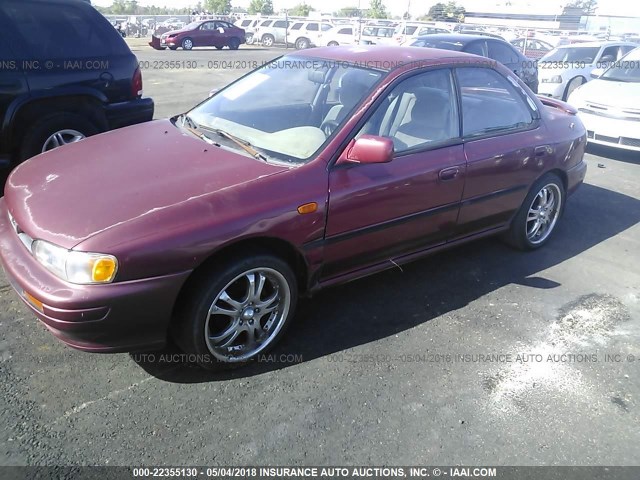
(55, 32)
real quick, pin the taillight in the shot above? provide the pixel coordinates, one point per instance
(136, 84)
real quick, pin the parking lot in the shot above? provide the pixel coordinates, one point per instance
(479, 355)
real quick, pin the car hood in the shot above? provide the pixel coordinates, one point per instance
(70, 194)
(622, 95)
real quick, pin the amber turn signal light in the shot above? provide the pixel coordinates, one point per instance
(307, 208)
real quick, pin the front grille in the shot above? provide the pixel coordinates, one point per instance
(630, 142)
(604, 138)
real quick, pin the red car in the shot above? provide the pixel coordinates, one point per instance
(206, 33)
(319, 168)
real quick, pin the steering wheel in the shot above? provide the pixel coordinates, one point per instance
(328, 127)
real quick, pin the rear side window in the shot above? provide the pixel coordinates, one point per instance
(489, 102)
(477, 48)
(502, 53)
(52, 32)
(410, 30)
(325, 27)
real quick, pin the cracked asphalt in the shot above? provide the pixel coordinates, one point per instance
(478, 355)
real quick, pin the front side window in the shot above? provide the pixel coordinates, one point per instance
(312, 27)
(345, 31)
(477, 48)
(296, 26)
(572, 54)
(280, 24)
(419, 112)
(283, 107)
(490, 103)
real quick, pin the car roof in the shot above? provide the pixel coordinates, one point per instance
(383, 57)
(459, 37)
(594, 44)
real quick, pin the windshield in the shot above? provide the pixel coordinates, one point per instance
(287, 108)
(627, 69)
(572, 54)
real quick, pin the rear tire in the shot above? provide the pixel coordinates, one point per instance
(332, 44)
(42, 136)
(538, 215)
(226, 321)
(302, 43)
(268, 40)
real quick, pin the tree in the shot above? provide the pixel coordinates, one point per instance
(301, 10)
(349, 12)
(377, 9)
(265, 7)
(449, 12)
(219, 7)
(587, 7)
(406, 16)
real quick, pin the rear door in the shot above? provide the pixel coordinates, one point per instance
(503, 147)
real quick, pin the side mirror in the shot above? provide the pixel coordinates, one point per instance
(367, 149)
(596, 72)
(213, 92)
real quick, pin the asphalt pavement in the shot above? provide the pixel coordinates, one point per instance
(478, 355)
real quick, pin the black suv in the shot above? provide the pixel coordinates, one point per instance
(65, 74)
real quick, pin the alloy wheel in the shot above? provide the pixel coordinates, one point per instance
(543, 213)
(62, 137)
(247, 315)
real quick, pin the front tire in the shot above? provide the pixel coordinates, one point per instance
(332, 44)
(234, 44)
(187, 44)
(54, 131)
(236, 311)
(538, 216)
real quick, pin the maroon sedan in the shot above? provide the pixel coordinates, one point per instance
(207, 33)
(319, 168)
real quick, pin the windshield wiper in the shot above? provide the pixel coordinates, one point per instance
(246, 146)
(187, 121)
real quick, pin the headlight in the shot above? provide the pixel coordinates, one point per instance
(554, 79)
(75, 267)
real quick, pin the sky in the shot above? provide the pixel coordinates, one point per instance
(419, 7)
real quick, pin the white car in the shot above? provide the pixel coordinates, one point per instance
(411, 30)
(609, 106)
(377, 35)
(305, 34)
(340, 35)
(567, 67)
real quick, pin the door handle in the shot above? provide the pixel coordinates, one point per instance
(448, 173)
(542, 150)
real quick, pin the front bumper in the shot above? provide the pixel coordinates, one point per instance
(612, 132)
(129, 113)
(118, 317)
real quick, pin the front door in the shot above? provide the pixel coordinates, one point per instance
(378, 212)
